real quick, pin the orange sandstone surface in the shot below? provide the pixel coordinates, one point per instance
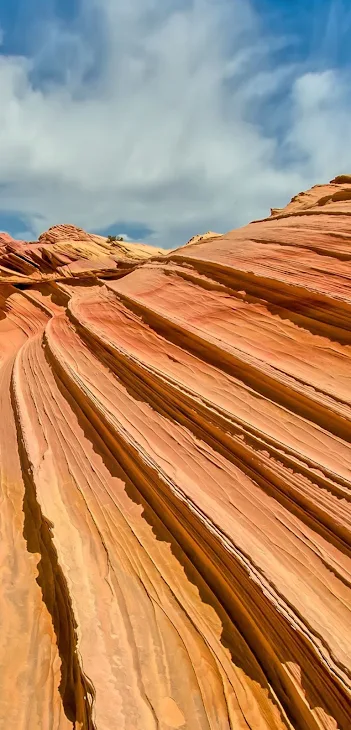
(67, 252)
(175, 469)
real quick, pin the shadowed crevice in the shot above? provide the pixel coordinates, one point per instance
(76, 690)
(221, 575)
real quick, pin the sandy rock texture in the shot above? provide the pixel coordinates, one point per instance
(175, 475)
(65, 252)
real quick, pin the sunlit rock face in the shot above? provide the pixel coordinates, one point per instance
(175, 479)
(65, 252)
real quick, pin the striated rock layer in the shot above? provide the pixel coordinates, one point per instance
(176, 481)
(65, 252)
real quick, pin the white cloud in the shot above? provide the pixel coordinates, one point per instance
(321, 130)
(156, 114)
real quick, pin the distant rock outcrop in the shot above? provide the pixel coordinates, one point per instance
(67, 251)
(310, 202)
(65, 232)
(175, 461)
(204, 237)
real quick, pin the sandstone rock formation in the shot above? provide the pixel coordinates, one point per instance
(67, 252)
(203, 237)
(176, 479)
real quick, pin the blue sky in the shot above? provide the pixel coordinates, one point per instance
(159, 119)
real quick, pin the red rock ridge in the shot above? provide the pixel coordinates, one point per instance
(67, 251)
(176, 483)
(209, 236)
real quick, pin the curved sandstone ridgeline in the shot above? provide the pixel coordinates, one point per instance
(175, 482)
(67, 252)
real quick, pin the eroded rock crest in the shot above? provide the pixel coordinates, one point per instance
(65, 252)
(175, 477)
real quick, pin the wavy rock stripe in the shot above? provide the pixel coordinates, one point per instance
(175, 478)
(65, 252)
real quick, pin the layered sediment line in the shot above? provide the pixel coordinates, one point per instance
(175, 477)
(65, 252)
(76, 691)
